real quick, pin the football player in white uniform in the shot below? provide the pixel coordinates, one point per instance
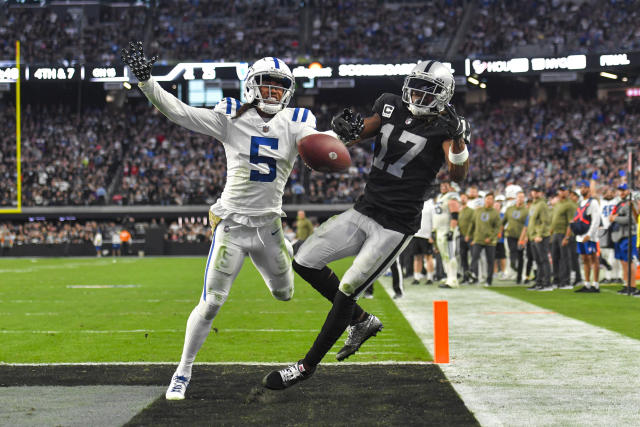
(445, 222)
(608, 203)
(260, 140)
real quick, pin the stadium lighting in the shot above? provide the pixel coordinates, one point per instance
(608, 75)
(473, 80)
(624, 79)
(483, 85)
(127, 85)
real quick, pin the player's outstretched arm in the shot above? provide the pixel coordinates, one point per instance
(200, 120)
(455, 149)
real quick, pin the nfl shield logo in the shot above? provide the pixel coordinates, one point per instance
(265, 128)
(408, 121)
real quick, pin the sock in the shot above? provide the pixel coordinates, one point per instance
(327, 283)
(198, 329)
(417, 276)
(334, 325)
(595, 285)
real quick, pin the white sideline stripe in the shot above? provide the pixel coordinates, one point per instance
(542, 369)
(88, 263)
(101, 286)
(135, 331)
(332, 364)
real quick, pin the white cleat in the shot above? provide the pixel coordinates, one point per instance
(177, 388)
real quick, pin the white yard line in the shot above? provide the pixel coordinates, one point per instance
(383, 362)
(136, 331)
(514, 363)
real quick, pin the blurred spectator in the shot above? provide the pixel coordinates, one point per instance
(551, 27)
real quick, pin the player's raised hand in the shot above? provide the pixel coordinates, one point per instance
(135, 59)
(347, 125)
(457, 126)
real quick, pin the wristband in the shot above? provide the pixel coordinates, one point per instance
(459, 158)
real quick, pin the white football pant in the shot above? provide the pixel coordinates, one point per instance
(353, 234)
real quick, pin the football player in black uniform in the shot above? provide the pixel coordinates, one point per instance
(417, 133)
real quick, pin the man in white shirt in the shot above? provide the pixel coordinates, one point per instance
(588, 215)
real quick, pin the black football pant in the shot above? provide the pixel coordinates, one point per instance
(490, 253)
(465, 250)
(575, 259)
(561, 258)
(541, 255)
(516, 256)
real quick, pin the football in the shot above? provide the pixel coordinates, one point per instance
(324, 153)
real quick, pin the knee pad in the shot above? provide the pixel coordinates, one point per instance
(209, 308)
(352, 280)
(284, 289)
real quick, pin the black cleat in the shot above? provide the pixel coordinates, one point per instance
(286, 377)
(358, 334)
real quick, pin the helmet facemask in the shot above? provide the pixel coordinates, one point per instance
(424, 95)
(271, 82)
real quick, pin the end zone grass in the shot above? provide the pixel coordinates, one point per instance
(135, 310)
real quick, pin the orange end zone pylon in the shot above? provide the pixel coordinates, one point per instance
(441, 331)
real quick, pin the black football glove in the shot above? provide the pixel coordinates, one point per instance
(347, 125)
(457, 126)
(135, 59)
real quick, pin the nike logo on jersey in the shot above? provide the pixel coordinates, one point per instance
(273, 233)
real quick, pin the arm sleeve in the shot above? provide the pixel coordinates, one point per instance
(200, 120)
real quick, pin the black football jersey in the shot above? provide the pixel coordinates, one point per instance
(407, 157)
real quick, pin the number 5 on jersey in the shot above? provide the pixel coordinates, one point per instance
(255, 158)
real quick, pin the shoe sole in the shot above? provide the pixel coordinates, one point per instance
(358, 348)
(174, 397)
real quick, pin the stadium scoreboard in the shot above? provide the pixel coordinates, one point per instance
(188, 71)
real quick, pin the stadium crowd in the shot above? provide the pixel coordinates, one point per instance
(134, 156)
(551, 27)
(323, 30)
(72, 231)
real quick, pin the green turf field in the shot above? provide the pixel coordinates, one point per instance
(607, 309)
(49, 314)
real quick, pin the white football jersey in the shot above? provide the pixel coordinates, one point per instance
(426, 221)
(441, 214)
(607, 209)
(260, 154)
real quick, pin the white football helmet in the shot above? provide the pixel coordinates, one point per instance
(269, 69)
(428, 88)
